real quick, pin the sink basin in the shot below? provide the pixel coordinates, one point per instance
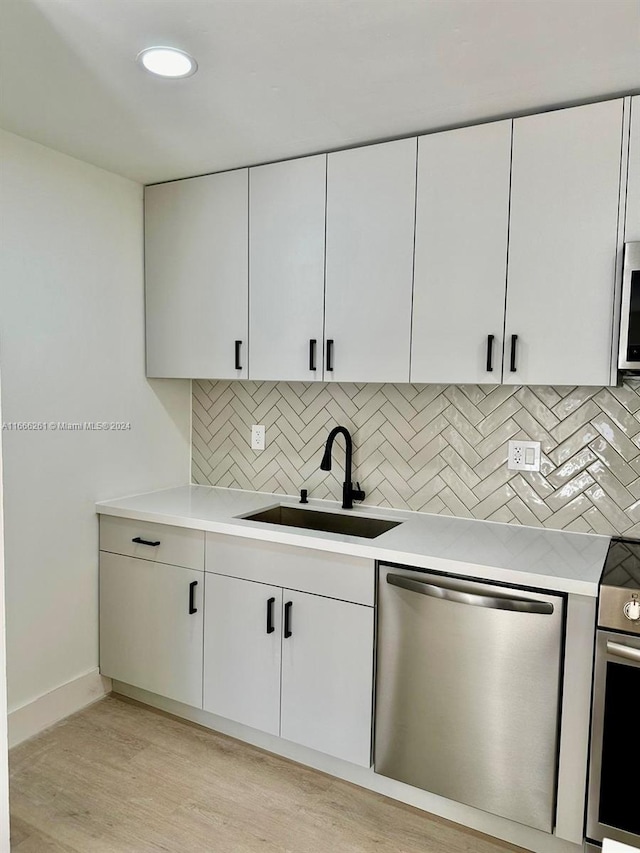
(330, 522)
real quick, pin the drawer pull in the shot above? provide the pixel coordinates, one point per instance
(192, 597)
(140, 541)
(270, 626)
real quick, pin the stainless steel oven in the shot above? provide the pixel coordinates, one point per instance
(614, 782)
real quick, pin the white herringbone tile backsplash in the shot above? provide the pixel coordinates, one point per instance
(433, 448)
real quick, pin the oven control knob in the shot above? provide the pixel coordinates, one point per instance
(632, 610)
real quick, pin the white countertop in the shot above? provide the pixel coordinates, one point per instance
(509, 553)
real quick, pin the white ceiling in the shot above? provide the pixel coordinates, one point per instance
(281, 78)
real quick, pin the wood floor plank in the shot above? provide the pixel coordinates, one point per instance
(119, 777)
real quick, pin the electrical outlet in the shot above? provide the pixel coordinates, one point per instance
(524, 456)
(258, 437)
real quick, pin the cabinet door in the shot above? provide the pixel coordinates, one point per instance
(196, 259)
(327, 676)
(632, 221)
(462, 221)
(562, 245)
(148, 637)
(286, 279)
(369, 263)
(242, 643)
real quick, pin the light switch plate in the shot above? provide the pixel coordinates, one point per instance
(524, 456)
(258, 436)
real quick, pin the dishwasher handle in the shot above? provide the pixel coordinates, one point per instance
(522, 605)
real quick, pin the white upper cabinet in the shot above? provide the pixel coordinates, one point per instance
(286, 269)
(632, 221)
(562, 246)
(369, 262)
(196, 259)
(462, 221)
(389, 262)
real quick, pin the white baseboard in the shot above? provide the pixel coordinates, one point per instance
(31, 719)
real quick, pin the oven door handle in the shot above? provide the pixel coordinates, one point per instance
(622, 651)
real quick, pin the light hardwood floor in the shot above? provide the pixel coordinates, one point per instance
(119, 777)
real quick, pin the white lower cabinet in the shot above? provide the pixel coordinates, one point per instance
(291, 663)
(242, 649)
(151, 624)
(327, 666)
(236, 640)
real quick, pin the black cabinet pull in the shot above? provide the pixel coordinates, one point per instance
(329, 354)
(490, 339)
(270, 603)
(287, 618)
(140, 541)
(238, 346)
(312, 354)
(514, 343)
(192, 597)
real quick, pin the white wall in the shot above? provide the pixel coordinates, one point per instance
(72, 349)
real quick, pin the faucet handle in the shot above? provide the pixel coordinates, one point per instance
(358, 494)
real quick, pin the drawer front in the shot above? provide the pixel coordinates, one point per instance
(320, 572)
(177, 546)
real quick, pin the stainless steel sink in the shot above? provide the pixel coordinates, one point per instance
(330, 522)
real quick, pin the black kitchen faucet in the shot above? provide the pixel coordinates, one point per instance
(349, 494)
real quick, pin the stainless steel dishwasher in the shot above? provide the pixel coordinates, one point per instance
(468, 691)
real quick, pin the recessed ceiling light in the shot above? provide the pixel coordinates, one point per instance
(167, 62)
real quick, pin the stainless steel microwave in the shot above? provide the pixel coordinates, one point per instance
(629, 353)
